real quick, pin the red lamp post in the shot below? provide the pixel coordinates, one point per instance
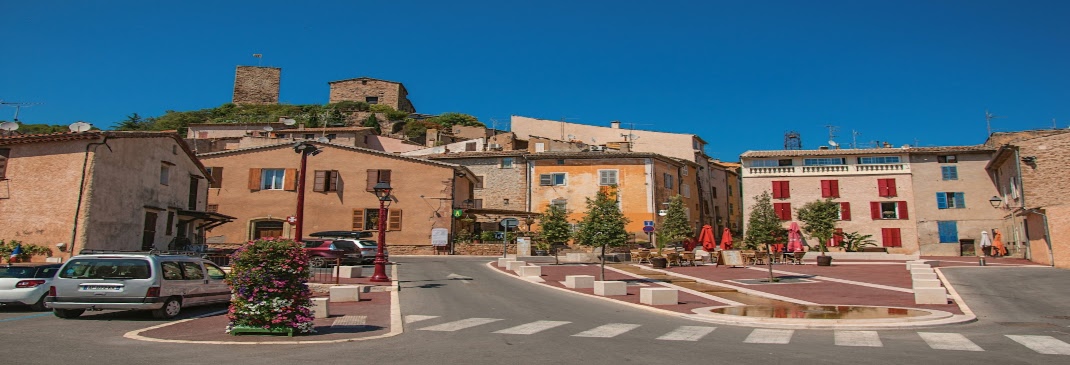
(305, 149)
(382, 191)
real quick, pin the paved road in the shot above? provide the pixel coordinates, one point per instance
(461, 311)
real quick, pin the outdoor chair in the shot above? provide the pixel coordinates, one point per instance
(796, 257)
(673, 258)
(643, 256)
(687, 258)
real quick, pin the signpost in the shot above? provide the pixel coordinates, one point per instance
(440, 238)
(506, 224)
(648, 227)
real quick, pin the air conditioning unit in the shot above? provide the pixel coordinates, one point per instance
(597, 148)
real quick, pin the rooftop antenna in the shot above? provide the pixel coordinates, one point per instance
(259, 57)
(79, 127)
(832, 131)
(854, 138)
(792, 141)
(18, 107)
(8, 126)
(988, 120)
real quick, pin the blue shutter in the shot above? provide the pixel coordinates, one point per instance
(949, 232)
(960, 200)
(941, 200)
(945, 173)
(949, 172)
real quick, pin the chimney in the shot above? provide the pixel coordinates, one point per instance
(887, 144)
(614, 124)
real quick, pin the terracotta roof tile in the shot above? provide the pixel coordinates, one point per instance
(866, 151)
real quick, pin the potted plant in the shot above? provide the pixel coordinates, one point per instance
(268, 278)
(819, 221)
(487, 236)
(856, 242)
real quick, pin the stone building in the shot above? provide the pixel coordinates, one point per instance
(213, 137)
(254, 85)
(951, 191)
(371, 91)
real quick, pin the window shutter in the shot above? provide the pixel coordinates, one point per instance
(393, 220)
(875, 210)
(897, 239)
(321, 178)
(941, 200)
(960, 200)
(837, 238)
(845, 211)
(902, 205)
(289, 181)
(776, 190)
(834, 185)
(384, 176)
(785, 190)
(335, 178)
(882, 187)
(254, 179)
(358, 219)
(546, 180)
(891, 187)
(217, 178)
(885, 240)
(826, 189)
(373, 178)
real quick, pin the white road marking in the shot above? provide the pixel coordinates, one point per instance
(460, 325)
(533, 327)
(762, 335)
(858, 338)
(417, 318)
(949, 341)
(608, 330)
(1043, 344)
(687, 333)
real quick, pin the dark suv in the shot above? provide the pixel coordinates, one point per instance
(322, 252)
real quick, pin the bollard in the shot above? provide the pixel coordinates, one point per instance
(981, 261)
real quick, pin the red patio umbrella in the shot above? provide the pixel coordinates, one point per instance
(726, 239)
(794, 238)
(705, 236)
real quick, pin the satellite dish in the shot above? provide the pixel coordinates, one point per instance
(268, 128)
(323, 140)
(79, 127)
(833, 143)
(9, 126)
(288, 121)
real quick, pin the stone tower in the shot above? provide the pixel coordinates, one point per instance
(256, 85)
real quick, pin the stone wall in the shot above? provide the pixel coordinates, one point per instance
(360, 89)
(256, 85)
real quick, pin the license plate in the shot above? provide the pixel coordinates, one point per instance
(101, 288)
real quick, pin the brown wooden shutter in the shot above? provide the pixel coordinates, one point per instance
(393, 220)
(373, 178)
(358, 219)
(875, 210)
(334, 181)
(902, 205)
(845, 211)
(384, 176)
(217, 178)
(254, 179)
(320, 179)
(289, 181)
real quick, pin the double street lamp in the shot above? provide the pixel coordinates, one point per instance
(382, 191)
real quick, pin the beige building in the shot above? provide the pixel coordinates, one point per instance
(951, 191)
(103, 190)
(372, 91)
(726, 200)
(259, 185)
(212, 137)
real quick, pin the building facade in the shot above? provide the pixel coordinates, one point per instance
(372, 91)
(951, 190)
(254, 85)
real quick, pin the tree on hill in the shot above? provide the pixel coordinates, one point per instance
(448, 120)
(134, 122)
(372, 122)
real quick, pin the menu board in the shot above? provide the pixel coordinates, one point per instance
(730, 258)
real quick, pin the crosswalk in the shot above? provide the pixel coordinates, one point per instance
(935, 340)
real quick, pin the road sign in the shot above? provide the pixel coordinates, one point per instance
(510, 223)
(457, 213)
(440, 237)
(648, 223)
(499, 235)
(291, 219)
(648, 229)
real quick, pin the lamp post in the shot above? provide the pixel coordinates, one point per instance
(995, 201)
(382, 191)
(304, 148)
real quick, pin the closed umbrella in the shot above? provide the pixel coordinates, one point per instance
(726, 239)
(794, 238)
(705, 236)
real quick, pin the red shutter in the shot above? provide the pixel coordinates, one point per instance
(882, 187)
(891, 187)
(837, 238)
(902, 205)
(891, 237)
(834, 186)
(826, 188)
(845, 211)
(776, 190)
(875, 210)
(897, 238)
(783, 211)
(885, 237)
(785, 190)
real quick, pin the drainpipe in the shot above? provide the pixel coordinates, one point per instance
(81, 189)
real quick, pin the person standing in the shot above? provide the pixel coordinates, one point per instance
(986, 243)
(998, 249)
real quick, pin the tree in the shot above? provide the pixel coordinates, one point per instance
(372, 122)
(819, 220)
(675, 228)
(763, 226)
(553, 225)
(603, 224)
(134, 122)
(448, 120)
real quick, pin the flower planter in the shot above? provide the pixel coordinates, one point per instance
(824, 261)
(659, 262)
(237, 330)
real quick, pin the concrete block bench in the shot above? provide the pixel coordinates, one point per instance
(926, 283)
(530, 270)
(321, 307)
(350, 272)
(919, 269)
(514, 265)
(923, 276)
(579, 281)
(610, 288)
(346, 293)
(930, 296)
(658, 296)
(502, 261)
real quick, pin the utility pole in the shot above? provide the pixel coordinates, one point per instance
(988, 120)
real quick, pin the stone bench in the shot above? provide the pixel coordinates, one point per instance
(321, 307)
(503, 261)
(530, 270)
(579, 281)
(658, 296)
(926, 283)
(610, 288)
(923, 276)
(930, 296)
(514, 265)
(350, 272)
(918, 269)
(346, 293)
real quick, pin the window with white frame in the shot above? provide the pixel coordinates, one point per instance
(272, 179)
(889, 210)
(771, 163)
(607, 177)
(824, 161)
(506, 163)
(683, 171)
(165, 173)
(878, 160)
(554, 179)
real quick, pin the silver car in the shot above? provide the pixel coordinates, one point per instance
(163, 284)
(26, 284)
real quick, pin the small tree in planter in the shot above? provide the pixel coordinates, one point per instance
(819, 221)
(26, 251)
(603, 225)
(675, 227)
(268, 279)
(554, 228)
(763, 226)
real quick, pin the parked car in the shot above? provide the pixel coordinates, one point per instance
(26, 284)
(163, 284)
(362, 239)
(322, 252)
(369, 248)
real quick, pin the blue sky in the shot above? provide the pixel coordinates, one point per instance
(737, 73)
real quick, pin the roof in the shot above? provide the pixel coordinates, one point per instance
(352, 148)
(364, 78)
(93, 135)
(323, 130)
(866, 151)
(475, 154)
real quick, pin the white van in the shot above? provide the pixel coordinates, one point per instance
(162, 283)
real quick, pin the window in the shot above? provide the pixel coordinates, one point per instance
(830, 188)
(728, 187)
(770, 163)
(477, 203)
(215, 272)
(148, 233)
(216, 174)
(5, 153)
(888, 210)
(878, 160)
(310, 136)
(560, 203)
(371, 99)
(781, 190)
(479, 182)
(686, 190)
(282, 135)
(325, 181)
(683, 171)
(668, 180)
(947, 159)
(171, 270)
(505, 201)
(783, 211)
(949, 231)
(950, 200)
(470, 146)
(192, 271)
(713, 189)
(169, 230)
(194, 184)
(845, 211)
(949, 172)
(560, 162)
(824, 161)
(886, 187)
(540, 147)
(554, 179)
(607, 177)
(368, 219)
(165, 173)
(375, 177)
(507, 163)
(891, 237)
(214, 208)
(331, 136)
(272, 179)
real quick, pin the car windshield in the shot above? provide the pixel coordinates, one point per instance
(19, 272)
(106, 268)
(344, 245)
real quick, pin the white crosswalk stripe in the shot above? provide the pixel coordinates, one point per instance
(858, 338)
(949, 341)
(608, 330)
(762, 335)
(417, 318)
(533, 327)
(460, 325)
(1043, 344)
(687, 333)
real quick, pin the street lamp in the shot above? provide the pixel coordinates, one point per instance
(995, 201)
(382, 191)
(304, 148)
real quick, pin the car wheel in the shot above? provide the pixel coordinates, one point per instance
(317, 261)
(40, 305)
(170, 309)
(68, 313)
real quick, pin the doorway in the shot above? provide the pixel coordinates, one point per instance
(267, 228)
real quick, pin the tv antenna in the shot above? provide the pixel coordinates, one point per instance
(792, 141)
(9, 126)
(18, 107)
(832, 131)
(988, 120)
(259, 57)
(854, 138)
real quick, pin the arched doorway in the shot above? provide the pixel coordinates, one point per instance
(267, 228)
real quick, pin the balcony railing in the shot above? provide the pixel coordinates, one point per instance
(850, 169)
(771, 170)
(824, 169)
(881, 168)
